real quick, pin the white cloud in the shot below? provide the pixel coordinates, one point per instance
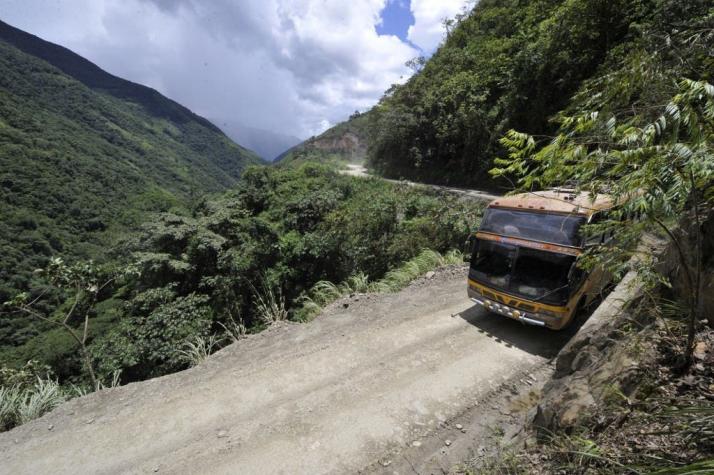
(291, 66)
(427, 31)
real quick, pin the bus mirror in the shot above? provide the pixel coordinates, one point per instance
(469, 247)
(571, 272)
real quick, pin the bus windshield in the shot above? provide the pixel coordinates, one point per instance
(551, 228)
(527, 273)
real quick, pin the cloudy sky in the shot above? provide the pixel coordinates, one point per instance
(290, 66)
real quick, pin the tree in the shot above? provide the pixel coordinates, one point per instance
(82, 283)
(415, 64)
(655, 159)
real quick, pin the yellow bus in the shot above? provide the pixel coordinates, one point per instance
(523, 256)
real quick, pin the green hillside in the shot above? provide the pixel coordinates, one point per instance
(345, 142)
(508, 64)
(84, 156)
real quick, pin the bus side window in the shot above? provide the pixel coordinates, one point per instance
(470, 247)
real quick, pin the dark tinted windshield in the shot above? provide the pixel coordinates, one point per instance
(492, 263)
(551, 228)
(528, 273)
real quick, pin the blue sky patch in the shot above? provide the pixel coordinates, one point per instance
(397, 17)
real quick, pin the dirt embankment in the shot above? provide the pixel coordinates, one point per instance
(413, 380)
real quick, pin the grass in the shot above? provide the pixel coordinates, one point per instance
(427, 260)
(196, 350)
(234, 331)
(270, 304)
(324, 292)
(20, 405)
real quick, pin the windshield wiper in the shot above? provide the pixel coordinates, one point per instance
(549, 293)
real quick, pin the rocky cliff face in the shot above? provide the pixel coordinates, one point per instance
(348, 145)
(347, 141)
(600, 358)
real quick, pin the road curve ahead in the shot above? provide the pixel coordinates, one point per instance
(356, 169)
(366, 378)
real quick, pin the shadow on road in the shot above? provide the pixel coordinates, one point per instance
(531, 339)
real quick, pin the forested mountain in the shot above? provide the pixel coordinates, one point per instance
(508, 64)
(84, 156)
(347, 141)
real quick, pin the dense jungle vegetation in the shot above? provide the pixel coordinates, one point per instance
(84, 157)
(642, 129)
(507, 64)
(268, 240)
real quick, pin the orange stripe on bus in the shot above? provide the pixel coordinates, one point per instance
(530, 244)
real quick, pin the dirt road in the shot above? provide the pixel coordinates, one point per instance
(373, 377)
(355, 169)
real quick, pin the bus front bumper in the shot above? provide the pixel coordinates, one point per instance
(527, 318)
(508, 312)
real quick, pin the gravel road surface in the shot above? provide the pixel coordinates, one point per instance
(371, 378)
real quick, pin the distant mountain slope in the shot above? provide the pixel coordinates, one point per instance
(85, 155)
(347, 141)
(96, 78)
(268, 145)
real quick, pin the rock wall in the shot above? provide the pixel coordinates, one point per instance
(348, 145)
(600, 357)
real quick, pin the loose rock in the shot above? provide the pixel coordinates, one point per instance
(700, 351)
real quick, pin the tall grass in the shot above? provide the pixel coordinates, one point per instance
(270, 303)
(20, 405)
(196, 350)
(232, 330)
(427, 260)
(324, 292)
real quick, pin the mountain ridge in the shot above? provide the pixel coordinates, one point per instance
(80, 167)
(95, 77)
